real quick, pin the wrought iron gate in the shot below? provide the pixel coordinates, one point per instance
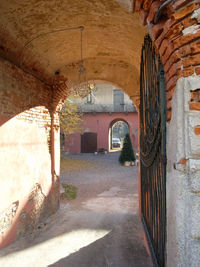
(153, 151)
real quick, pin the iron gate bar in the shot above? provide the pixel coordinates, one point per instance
(153, 151)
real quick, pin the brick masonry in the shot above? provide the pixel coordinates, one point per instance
(176, 36)
(27, 120)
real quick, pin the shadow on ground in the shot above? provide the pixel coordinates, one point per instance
(100, 228)
(122, 247)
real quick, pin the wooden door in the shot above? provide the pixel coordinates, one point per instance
(88, 142)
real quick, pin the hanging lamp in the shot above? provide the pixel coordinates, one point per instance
(81, 86)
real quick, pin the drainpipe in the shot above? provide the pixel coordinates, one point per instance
(52, 147)
(139, 169)
(160, 9)
(52, 150)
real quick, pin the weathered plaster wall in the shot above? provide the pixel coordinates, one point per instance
(100, 123)
(183, 176)
(27, 191)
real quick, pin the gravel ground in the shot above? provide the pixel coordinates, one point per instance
(100, 228)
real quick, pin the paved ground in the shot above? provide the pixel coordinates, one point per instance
(99, 228)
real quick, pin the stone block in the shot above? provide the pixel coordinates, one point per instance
(193, 83)
(193, 253)
(194, 174)
(194, 217)
(196, 15)
(193, 139)
(192, 29)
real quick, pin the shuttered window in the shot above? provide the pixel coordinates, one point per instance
(118, 100)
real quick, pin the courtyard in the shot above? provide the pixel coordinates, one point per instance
(100, 227)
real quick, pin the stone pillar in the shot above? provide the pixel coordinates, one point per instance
(183, 176)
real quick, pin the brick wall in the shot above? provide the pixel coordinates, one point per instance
(29, 158)
(176, 36)
(20, 91)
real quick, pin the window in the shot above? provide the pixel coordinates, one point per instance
(118, 100)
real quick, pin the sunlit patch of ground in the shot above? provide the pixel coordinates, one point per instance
(74, 165)
(97, 224)
(117, 149)
(53, 249)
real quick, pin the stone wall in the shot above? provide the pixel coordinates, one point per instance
(183, 177)
(29, 185)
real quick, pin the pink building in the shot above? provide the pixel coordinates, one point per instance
(108, 114)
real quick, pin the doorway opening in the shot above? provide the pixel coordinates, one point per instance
(118, 131)
(107, 115)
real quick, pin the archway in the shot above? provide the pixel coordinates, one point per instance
(111, 51)
(98, 114)
(117, 131)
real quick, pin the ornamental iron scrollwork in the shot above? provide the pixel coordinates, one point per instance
(153, 151)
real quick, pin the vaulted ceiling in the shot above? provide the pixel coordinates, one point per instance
(112, 39)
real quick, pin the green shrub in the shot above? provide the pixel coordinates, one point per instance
(70, 192)
(127, 153)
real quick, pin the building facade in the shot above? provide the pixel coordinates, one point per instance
(107, 113)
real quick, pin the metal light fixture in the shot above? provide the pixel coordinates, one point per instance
(81, 86)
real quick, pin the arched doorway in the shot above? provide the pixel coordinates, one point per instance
(118, 129)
